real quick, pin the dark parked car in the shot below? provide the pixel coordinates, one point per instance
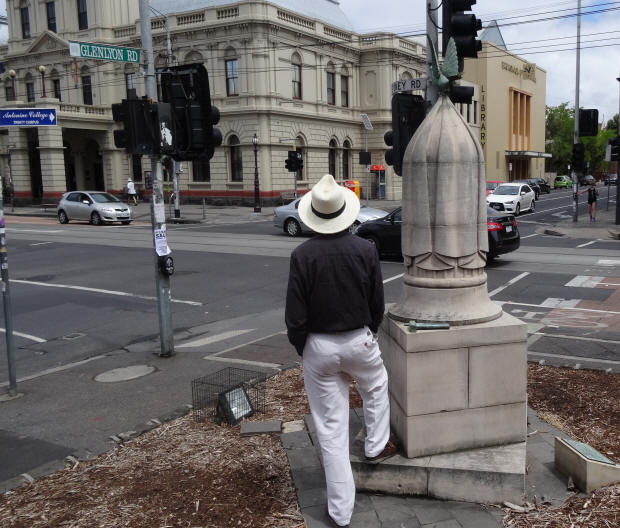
(533, 183)
(384, 233)
(611, 178)
(544, 186)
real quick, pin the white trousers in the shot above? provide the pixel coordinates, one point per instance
(326, 358)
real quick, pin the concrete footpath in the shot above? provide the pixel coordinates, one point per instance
(603, 228)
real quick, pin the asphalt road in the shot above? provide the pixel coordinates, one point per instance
(83, 304)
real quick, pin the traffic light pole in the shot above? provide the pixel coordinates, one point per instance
(576, 133)
(158, 208)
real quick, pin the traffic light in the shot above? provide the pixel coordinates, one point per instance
(578, 161)
(142, 133)
(588, 122)
(463, 28)
(615, 149)
(295, 161)
(408, 112)
(186, 88)
(461, 94)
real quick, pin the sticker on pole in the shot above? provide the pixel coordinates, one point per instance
(161, 242)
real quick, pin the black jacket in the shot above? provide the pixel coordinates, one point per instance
(334, 285)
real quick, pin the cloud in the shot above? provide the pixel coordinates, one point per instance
(599, 65)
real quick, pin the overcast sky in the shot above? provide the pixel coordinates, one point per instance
(533, 41)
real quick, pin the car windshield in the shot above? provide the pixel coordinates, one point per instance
(507, 189)
(104, 198)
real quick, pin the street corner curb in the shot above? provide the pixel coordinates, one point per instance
(553, 232)
(182, 220)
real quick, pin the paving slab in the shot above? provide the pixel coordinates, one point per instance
(257, 428)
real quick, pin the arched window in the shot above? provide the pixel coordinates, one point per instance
(406, 76)
(236, 162)
(332, 158)
(296, 76)
(346, 155)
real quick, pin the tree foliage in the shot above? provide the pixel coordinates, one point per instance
(559, 134)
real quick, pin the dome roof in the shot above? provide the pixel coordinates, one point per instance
(328, 11)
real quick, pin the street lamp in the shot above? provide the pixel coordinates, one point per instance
(257, 208)
(12, 75)
(42, 72)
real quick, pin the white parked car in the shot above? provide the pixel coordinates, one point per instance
(512, 198)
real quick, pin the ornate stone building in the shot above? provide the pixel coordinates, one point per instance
(292, 72)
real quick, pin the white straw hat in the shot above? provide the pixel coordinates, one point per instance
(329, 208)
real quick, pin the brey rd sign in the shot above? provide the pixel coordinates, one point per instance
(85, 50)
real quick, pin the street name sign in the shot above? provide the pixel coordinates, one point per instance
(85, 50)
(408, 85)
(28, 117)
(366, 121)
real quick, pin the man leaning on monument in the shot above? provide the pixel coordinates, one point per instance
(334, 305)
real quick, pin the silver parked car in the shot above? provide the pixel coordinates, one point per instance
(97, 207)
(287, 218)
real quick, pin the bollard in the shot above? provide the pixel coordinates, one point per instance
(204, 212)
(414, 326)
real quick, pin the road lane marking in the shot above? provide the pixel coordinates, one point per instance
(509, 283)
(393, 278)
(54, 370)
(553, 302)
(26, 336)
(588, 243)
(97, 290)
(214, 339)
(529, 236)
(584, 281)
(35, 230)
(576, 309)
(41, 243)
(608, 263)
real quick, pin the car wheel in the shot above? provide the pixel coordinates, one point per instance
(126, 222)
(62, 217)
(95, 219)
(518, 210)
(532, 206)
(292, 227)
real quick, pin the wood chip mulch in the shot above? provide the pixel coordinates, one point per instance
(585, 405)
(188, 474)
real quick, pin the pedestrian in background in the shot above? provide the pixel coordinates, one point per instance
(592, 197)
(131, 192)
(334, 305)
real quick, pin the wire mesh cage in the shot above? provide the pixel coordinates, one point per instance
(230, 393)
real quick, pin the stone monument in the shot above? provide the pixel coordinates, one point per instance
(458, 396)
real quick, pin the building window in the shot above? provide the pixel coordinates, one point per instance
(8, 92)
(50, 8)
(332, 158)
(475, 112)
(136, 167)
(331, 88)
(236, 163)
(232, 77)
(25, 15)
(201, 171)
(30, 91)
(130, 82)
(469, 113)
(56, 89)
(87, 90)
(344, 90)
(82, 11)
(346, 153)
(296, 79)
(520, 108)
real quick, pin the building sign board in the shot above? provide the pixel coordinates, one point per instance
(28, 117)
(409, 85)
(527, 72)
(86, 50)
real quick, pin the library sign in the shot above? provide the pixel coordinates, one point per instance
(528, 72)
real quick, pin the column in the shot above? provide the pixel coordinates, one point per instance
(52, 154)
(20, 163)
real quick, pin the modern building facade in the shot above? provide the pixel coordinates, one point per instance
(294, 73)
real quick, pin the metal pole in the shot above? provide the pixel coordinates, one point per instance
(175, 164)
(158, 216)
(6, 299)
(257, 208)
(367, 172)
(431, 31)
(617, 171)
(576, 132)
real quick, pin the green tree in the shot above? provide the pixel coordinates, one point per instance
(612, 124)
(560, 122)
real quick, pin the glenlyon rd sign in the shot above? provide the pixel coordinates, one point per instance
(28, 117)
(85, 50)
